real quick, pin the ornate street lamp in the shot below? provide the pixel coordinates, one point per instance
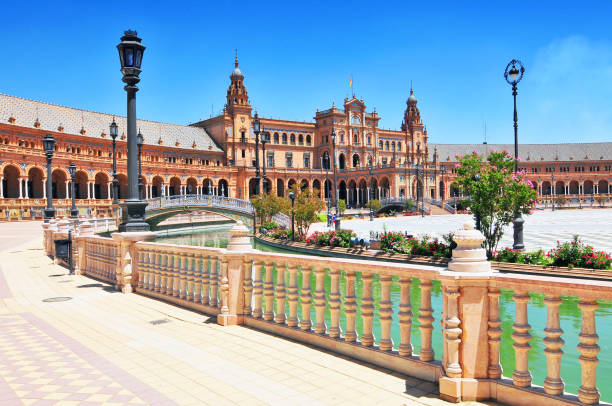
(292, 197)
(371, 190)
(325, 164)
(265, 137)
(74, 213)
(513, 74)
(139, 141)
(49, 145)
(130, 55)
(256, 130)
(113, 134)
(443, 171)
(333, 135)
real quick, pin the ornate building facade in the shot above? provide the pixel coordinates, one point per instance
(216, 156)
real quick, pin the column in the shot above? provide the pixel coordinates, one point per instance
(26, 180)
(88, 190)
(44, 188)
(2, 187)
(67, 190)
(108, 189)
(21, 188)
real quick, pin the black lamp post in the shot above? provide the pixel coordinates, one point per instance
(74, 213)
(292, 197)
(256, 130)
(325, 163)
(371, 190)
(113, 134)
(333, 135)
(139, 141)
(265, 137)
(49, 145)
(130, 55)
(513, 74)
(443, 190)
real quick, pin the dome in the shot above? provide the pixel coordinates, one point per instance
(237, 71)
(412, 99)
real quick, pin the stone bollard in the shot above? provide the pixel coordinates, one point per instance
(85, 230)
(468, 342)
(126, 276)
(232, 276)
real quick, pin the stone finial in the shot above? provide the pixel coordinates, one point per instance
(469, 256)
(240, 239)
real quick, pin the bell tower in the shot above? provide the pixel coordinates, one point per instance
(238, 124)
(237, 95)
(416, 133)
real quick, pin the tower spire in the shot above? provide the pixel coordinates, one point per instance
(236, 61)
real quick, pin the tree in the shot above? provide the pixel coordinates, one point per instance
(496, 193)
(267, 205)
(376, 205)
(306, 209)
(341, 206)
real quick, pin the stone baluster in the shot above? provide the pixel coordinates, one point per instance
(306, 298)
(367, 310)
(521, 376)
(281, 293)
(198, 274)
(350, 306)
(319, 301)
(224, 288)
(214, 283)
(385, 312)
(161, 261)
(184, 267)
(334, 304)
(249, 266)
(588, 349)
(269, 293)
(553, 384)
(426, 320)
(494, 333)
(292, 296)
(405, 317)
(452, 333)
(176, 274)
(258, 292)
(142, 268)
(189, 288)
(206, 274)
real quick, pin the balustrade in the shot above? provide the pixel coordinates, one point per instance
(101, 256)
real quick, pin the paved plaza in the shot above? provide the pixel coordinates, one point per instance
(104, 347)
(542, 229)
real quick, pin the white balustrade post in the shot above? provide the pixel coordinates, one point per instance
(44, 189)
(20, 188)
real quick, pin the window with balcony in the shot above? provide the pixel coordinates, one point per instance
(306, 160)
(289, 160)
(270, 158)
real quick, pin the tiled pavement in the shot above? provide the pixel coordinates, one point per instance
(102, 347)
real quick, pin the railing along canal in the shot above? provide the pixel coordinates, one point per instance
(343, 305)
(222, 202)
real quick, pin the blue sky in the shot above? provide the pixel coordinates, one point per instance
(298, 56)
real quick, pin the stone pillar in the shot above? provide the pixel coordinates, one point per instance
(88, 190)
(108, 189)
(126, 278)
(85, 230)
(20, 188)
(466, 320)
(2, 187)
(44, 188)
(27, 193)
(68, 190)
(232, 278)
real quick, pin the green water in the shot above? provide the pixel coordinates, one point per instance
(569, 312)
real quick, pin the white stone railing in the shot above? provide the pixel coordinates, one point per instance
(282, 219)
(301, 297)
(223, 202)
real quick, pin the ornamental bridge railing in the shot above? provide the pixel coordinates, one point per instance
(220, 202)
(445, 325)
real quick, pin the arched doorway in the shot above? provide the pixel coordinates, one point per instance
(253, 187)
(157, 186)
(385, 188)
(223, 187)
(341, 161)
(11, 181)
(588, 187)
(355, 160)
(342, 191)
(207, 187)
(58, 179)
(35, 183)
(101, 186)
(81, 185)
(352, 193)
(192, 186)
(560, 188)
(304, 185)
(363, 192)
(290, 184)
(175, 186)
(573, 187)
(316, 188)
(602, 186)
(280, 188)
(546, 190)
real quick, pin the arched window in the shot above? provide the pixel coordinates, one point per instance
(355, 120)
(399, 146)
(355, 139)
(301, 139)
(284, 138)
(387, 145)
(292, 138)
(308, 139)
(380, 144)
(276, 138)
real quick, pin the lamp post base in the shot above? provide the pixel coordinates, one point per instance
(338, 223)
(133, 216)
(49, 214)
(518, 233)
(74, 213)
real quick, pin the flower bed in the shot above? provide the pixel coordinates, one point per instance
(568, 254)
(396, 242)
(339, 238)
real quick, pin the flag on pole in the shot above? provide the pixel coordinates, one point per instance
(351, 82)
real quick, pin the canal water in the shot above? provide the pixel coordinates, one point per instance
(569, 311)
